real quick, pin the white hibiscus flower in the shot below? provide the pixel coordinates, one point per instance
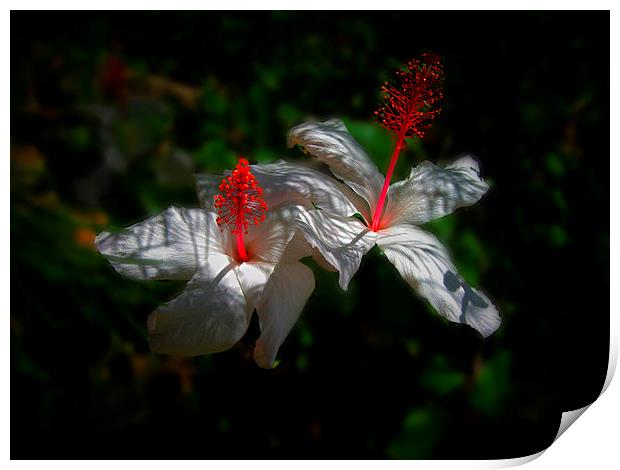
(230, 274)
(428, 193)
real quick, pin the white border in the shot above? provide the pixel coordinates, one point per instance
(314, 5)
(593, 442)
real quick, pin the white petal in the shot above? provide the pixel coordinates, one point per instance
(211, 314)
(331, 143)
(255, 274)
(287, 292)
(321, 261)
(269, 241)
(297, 248)
(253, 277)
(169, 245)
(287, 183)
(431, 192)
(343, 241)
(424, 263)
(284, 182)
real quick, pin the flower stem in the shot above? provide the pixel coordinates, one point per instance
(376, 219)
(243, 255)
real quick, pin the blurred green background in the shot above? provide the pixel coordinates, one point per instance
(112, 113)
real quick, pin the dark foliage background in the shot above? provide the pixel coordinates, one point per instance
(111, 114)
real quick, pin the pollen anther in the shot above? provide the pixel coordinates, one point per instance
(240, 202)
(411, 101)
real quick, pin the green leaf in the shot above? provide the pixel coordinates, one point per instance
(440, 379)
(80, 138)
(215, 155)
(302, 362)
(493, 384)
(305, 336)
(421, 432)
(557, 236)
(555, 165)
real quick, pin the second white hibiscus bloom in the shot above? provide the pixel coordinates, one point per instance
(428, 193)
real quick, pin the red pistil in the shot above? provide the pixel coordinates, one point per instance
(410, 104)
(240, 204)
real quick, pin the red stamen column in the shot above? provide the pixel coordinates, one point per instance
(240, 204)
(410, 103)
